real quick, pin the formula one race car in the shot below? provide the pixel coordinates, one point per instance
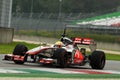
(62, 54)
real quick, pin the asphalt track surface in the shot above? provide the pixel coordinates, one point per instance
(110, 65)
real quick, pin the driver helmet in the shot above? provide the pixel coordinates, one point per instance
(58, 44)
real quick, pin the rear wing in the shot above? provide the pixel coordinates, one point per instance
(84, 41)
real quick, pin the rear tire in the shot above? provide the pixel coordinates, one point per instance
(20, 50)
(97, 60)
(62, 58)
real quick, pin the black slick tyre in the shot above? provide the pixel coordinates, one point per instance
(20, 50)
(61, 56)
(97, 60)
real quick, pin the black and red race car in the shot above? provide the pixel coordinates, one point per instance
(62, 54)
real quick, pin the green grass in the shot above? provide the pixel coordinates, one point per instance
(70, 76)
(44, 33)
(8, 49)
(112, 57)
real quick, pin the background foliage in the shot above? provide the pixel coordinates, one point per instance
(68, 6)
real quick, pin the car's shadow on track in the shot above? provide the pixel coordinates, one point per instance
(35, 65)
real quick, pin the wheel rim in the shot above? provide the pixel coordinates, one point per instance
(102, 63)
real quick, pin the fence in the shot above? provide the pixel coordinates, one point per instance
(44, 20)
(53, 22)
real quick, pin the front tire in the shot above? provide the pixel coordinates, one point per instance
(62, 58)
(97, 60)
(20, 50)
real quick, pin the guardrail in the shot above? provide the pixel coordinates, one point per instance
(97, 29)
